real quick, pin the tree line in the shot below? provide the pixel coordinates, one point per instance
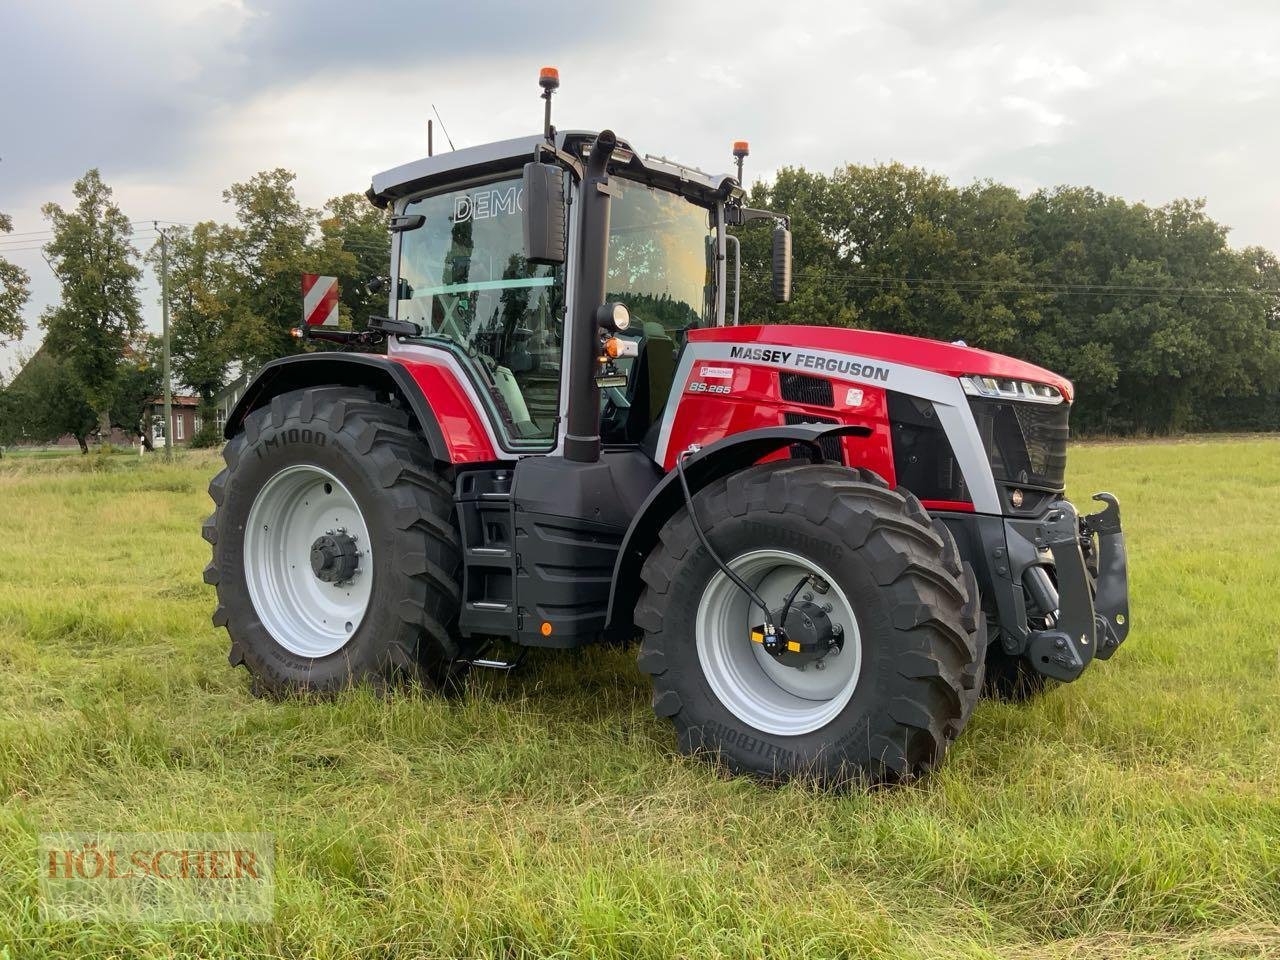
(1162, 325)
(233, 296)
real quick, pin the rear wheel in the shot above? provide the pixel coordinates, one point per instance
(878, 573)
(335, 551)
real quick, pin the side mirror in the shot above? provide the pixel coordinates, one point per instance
(544, 213)
(781, 264)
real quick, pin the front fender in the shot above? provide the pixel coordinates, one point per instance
(347, 369)
(711, 463)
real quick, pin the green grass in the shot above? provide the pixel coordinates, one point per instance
(1135, 812)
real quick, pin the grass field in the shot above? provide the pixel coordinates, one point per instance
(1136, 812)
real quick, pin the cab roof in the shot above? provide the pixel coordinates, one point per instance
(443, 169)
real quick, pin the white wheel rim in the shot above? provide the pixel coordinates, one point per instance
(303, 613)
(757, 689)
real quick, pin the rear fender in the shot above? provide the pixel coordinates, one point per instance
(346, 369)
(711, 463)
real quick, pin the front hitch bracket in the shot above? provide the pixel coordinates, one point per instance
(1064, 651)
(1111, 599)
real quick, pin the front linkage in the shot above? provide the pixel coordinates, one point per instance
(1060, 623)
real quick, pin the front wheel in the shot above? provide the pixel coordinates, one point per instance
(335, 550)
(902, 664)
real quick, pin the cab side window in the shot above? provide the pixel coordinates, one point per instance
(464, 280)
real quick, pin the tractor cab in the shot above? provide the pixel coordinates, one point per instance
(465, 283)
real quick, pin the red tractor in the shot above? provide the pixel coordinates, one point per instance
(830, 540)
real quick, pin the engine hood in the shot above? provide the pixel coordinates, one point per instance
(935, 355)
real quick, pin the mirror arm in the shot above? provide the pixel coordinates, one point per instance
(559, 156)
(405, 221)
(387, 325)
(737, 216)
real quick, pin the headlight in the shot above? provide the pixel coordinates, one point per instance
(998, 388)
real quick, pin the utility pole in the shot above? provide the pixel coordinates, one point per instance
(164, 313)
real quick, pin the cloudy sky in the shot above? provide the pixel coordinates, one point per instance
(175, 99)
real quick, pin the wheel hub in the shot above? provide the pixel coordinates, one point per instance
(308, 560)
(807, 636)
(773, 692)
(335, 557)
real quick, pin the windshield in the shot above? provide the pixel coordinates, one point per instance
(659, 257)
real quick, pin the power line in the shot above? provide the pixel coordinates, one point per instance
(7, 250)
(132, 223)
(979, 286)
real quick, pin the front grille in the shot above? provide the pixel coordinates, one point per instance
(1026, 443)
(801, 388)
(832, 449)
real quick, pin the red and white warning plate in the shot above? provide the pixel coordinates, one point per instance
(319, 300)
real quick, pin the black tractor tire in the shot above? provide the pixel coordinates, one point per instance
(409, 628)
(917, 606)
(1012, 679)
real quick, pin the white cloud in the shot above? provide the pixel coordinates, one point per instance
(1149, 100)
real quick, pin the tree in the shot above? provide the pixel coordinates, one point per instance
(896, 248)
(46, 401)
(355, 244)
(203, 299)
(1162, 326)
(268, 253)
(139, 381)
(1157, 320)
(94, 259)
(14, 292)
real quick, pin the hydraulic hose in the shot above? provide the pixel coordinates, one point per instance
(724, 567)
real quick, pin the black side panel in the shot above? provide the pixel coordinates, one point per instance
(565, 569)
(349, 369)
(569, 520)
(923, 460)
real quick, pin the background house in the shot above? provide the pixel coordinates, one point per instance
(185, 420)
(229, 396)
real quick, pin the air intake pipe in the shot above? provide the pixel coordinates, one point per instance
(582, 434)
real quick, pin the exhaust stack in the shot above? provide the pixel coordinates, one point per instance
(582, 435)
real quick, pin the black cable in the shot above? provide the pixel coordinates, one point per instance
(697, 528)
(791, 597)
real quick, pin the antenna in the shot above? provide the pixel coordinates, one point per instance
(443, 128)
